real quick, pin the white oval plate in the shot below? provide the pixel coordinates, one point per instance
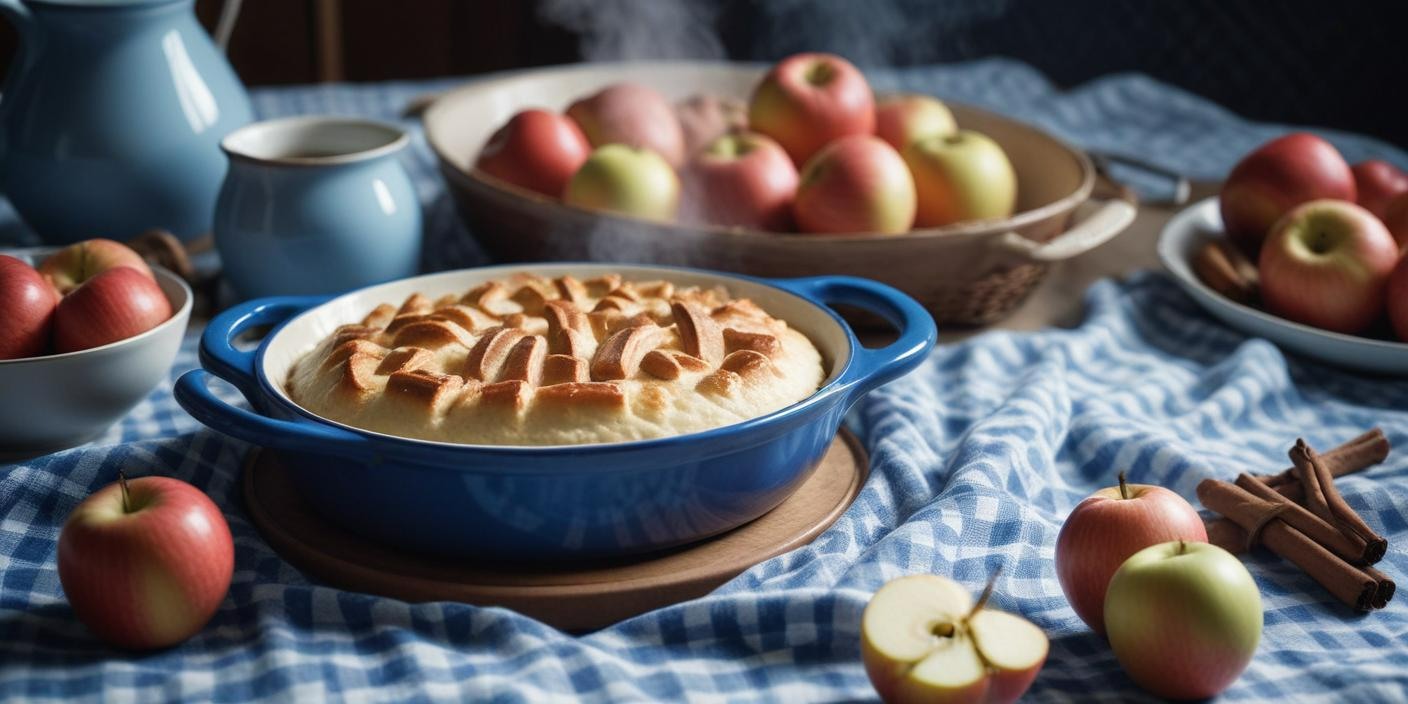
(1202, 221)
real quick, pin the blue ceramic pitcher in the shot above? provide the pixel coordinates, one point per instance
(111, 118)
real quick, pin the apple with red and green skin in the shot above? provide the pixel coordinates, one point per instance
(537, 150)
(1376, 182)
(1396, 219)
(924, 640)
(1275, 178)
(633, 115)
(855, 184)
(626, 180)
(1106, 528)
(114, 305)
(810, 100)
(1327, 264)
(905, 118)
(705, 118)
(28, 302)
(742, 180)
(961, 176)
(1398, 299)
(145, 563)
(1184, 619)
(70, 267)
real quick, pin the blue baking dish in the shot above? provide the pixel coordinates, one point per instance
(533, 503)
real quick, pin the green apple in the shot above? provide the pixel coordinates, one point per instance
(924, 640)
(962, 176)
(1183, 618)
(626, 180)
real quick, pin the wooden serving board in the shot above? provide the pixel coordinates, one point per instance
(572, 597)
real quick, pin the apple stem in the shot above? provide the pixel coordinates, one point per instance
(1182, 546)
(1124, 488)
(987, 594)
(126, 497)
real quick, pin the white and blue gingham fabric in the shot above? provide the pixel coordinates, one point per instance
(976, 459)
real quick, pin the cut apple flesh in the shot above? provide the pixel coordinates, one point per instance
(905, 618)
(1007, 642)
(952, 663)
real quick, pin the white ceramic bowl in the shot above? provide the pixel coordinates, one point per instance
(1200, 222)
(58, 401)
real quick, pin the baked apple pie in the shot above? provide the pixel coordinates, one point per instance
(536, 361)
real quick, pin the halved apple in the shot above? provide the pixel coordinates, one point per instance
(924, 640)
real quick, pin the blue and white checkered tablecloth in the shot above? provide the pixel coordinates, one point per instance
(976, 459)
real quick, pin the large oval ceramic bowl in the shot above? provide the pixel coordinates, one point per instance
(547, 502)
(971, 272)
(61, 400)
(1194, 226)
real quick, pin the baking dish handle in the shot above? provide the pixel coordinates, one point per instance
(193, 392)
(872, 368)
(1109, 219)
(217, 344)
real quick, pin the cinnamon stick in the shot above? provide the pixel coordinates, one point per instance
(1346, 546)
(1386, 587)
(1260, 519)
(1322, 498)
(1358, 454)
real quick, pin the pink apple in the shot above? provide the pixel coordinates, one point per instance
(114, 305)
(1398, 299)
(906, 118)
(742, 180)
(145, 563)
(705, 118)
(1375, 182)
(537, 150)
(1327, 264)
(1396, 219)
(810, 100)
(69, 267)
(28, 303)
(855, 184)
(633, 115)
(1278, 176)
(1109, 526)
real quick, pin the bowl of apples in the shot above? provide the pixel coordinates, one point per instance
(86, 333)
(1304, 250)
(792, 170)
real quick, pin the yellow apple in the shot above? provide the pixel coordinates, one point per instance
(626, 180)
(962, 176)
(924, 640)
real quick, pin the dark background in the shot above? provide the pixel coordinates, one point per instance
(1340, 64)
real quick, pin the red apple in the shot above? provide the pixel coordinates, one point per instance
(905, 118)
(1398, 299)
(633, 115)
(145, 563)
(1109, 526)
(114, 305)
(705, 118)
(743, 180)
(1278, 176)
(1396, 219)
(1375, 182)
(28, 303)
(810, 100)
(69, 267)
(537, 150)
(1327, 264)
(855, 184)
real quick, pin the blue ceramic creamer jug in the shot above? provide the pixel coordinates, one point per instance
(111, 118)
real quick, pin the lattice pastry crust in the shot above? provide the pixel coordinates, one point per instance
(537, 361)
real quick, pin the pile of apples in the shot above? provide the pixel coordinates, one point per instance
(86, 295)
(1328, 240)
(813, 151)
